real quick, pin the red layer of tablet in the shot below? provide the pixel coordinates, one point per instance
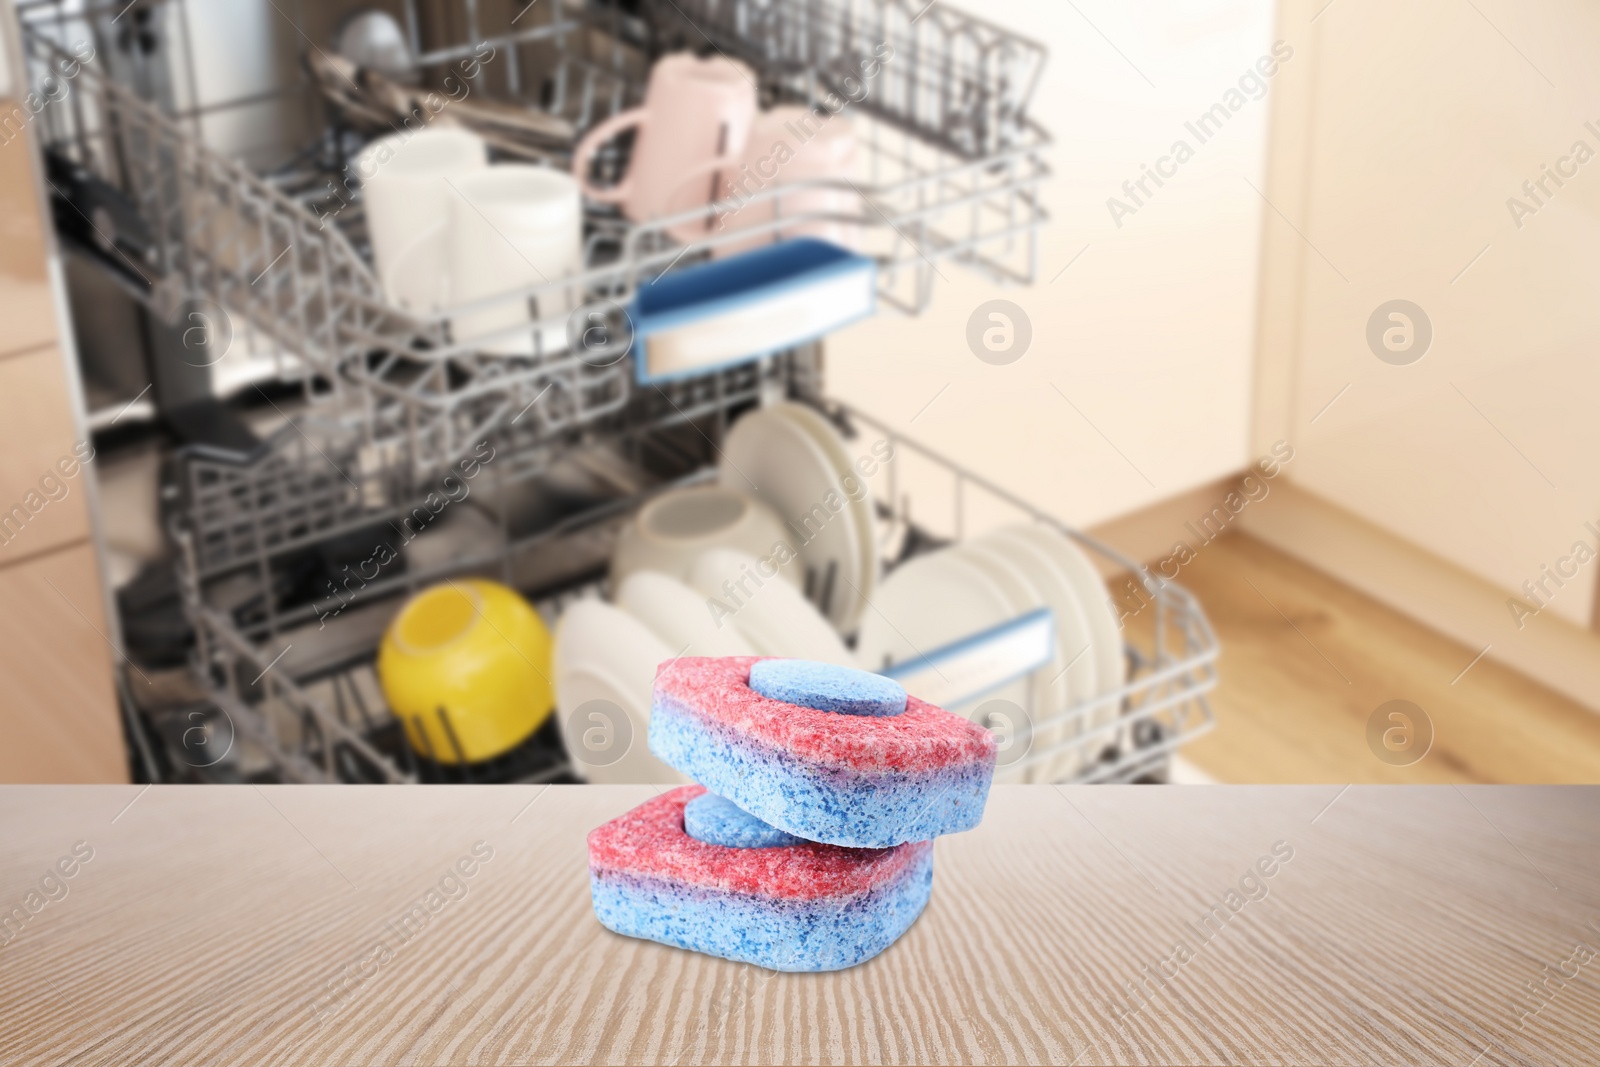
(650, 842)
(922, 738)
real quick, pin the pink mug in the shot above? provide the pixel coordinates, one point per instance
(696, 112)
(812, 149)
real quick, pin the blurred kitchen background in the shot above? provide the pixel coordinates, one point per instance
(1198, 390)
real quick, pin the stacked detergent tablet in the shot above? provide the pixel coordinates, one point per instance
(808, 844)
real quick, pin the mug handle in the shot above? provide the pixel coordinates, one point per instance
(404, 256)
(590, 144)
(699, 172)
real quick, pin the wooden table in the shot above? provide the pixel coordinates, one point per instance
(242, 925)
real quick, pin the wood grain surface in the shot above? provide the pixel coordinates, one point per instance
(1306, 659)
(241, 925)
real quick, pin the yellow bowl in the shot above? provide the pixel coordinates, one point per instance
(466, 666)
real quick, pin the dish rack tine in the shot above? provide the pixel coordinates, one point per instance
(409, 755)
(455, 744)
(427, 742)
(358, 700)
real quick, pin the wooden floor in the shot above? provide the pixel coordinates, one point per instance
(1306, 660)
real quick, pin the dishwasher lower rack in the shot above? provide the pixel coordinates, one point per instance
(323, 719)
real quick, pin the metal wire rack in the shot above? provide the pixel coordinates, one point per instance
(952, 165)
(330, 724)
(321, 480)
(951, 171)
(950, 78)
(1172, 664)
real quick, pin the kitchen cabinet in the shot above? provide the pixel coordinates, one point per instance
(42, 470)
(59, 719)
(1443, 154)
(59, 716)
(27, 307)
(1137, 383)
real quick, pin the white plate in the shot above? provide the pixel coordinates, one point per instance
(1071, 684)
(1014, 584)
(775, 459)
(603, 653)
(926, 604)
(770, 612)
(1111, 665)
(680, 616)
(580, 686)
(863, 509)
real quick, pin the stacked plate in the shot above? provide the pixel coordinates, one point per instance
(943, 600)
(780, 558)
(793, 460)
(605, 666)
(736, 590)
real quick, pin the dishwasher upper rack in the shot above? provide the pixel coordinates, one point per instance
(954, 80)
(320, 728)
(207, 228)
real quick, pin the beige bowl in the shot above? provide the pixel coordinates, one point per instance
(671, 531)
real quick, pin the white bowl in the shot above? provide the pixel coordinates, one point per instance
(671, 531)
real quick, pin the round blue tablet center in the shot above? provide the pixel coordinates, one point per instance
(827, 687)
(719, 821)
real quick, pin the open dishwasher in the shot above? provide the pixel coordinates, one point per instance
(276, 259)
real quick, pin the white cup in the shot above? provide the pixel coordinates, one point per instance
(406, 183)
(513, 226)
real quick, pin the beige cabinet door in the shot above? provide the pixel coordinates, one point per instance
(1463, 420)
(43, 475)
(1137, 382)
(58, 717)
(27, 307)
